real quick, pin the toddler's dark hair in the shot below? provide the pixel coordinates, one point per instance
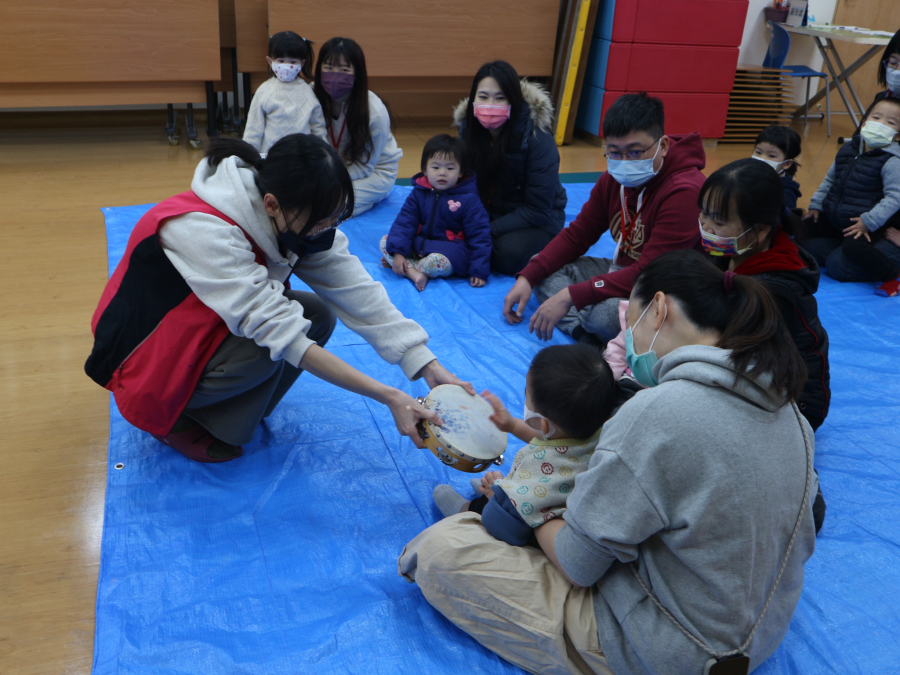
(890, 101)
(288, 45)
(445, 145)
(785, 139)
(573, 386)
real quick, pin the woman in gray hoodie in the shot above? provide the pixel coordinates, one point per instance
(683, 544)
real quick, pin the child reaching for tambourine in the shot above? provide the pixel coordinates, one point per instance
(569, 394)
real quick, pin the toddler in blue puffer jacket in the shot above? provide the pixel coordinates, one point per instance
(443, 228)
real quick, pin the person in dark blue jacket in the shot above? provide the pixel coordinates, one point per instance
(853, 218)
(779, 146)
(506, 124)
(443, 228)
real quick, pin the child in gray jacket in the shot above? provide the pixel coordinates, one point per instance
(570, 392)
(285, 104)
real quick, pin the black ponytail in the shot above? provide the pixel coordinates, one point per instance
(303, 172)
(736, 306)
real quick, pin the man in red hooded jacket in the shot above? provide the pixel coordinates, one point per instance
(658, 179)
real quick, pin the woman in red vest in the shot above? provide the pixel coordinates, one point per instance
(198, 334)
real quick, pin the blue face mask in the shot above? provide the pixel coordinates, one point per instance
(632, 173)
(641, 365)
(892, 77)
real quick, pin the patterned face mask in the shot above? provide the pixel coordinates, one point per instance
(727, 246)
(286, 72)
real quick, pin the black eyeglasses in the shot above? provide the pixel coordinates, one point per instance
(631, 155)
(892, 63)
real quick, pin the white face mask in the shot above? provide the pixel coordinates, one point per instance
(892, 77)
(771, 162)
(530, 414)
(286, 72)
(877, 135)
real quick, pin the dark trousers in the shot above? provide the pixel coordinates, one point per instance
(849, 259)
(241, 384)
(512, 251)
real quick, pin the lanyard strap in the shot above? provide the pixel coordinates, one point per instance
(336, 143)
(627, 226)
(743, 648)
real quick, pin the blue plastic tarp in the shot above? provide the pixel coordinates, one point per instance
(284, 561)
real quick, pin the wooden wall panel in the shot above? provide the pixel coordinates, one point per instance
(109, 41)
(44, 95)
(227, 27)
(875, 14)
(252, 23)
(421, 39)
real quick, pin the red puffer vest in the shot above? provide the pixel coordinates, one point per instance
(152, 335)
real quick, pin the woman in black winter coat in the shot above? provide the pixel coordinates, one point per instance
(506, 126)
(742, 226)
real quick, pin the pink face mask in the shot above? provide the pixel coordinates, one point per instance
(337, 85)
(492, 116)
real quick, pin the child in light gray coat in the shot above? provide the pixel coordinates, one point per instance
(285, 104)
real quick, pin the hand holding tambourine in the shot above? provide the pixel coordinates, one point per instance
(467, 440)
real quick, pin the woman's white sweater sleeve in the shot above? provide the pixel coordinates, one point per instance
(363, 305)
(219, 266)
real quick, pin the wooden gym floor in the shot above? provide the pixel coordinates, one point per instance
(55, 421)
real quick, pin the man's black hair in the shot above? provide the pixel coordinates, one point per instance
(635, 112)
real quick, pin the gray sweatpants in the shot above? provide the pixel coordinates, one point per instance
(241, 384)
(601, 319)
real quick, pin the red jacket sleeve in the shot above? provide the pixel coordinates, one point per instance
(575, 240)
(674, 227)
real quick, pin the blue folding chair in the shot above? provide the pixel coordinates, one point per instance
(779, 46)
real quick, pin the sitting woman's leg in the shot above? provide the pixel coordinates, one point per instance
(512, 251)
(373, 188)
(511, 599)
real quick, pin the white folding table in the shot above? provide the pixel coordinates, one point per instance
(825, 37)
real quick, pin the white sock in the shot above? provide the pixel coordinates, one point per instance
(448, 500)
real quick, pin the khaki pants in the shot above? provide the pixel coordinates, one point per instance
(511, 599)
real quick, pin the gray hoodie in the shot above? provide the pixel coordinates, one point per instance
(218, 264)
(699, 480)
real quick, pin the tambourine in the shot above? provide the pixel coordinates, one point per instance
(468, 440)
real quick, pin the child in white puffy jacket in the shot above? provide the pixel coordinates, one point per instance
(285, 103)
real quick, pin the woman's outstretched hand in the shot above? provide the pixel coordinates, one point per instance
(407, 412)
(435, 374)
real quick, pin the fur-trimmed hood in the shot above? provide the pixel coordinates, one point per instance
(537, 98)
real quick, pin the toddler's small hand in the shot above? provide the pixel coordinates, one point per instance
(812, 214)
(857, 229)
(399, 265)
(501, 417)
(476, 282)
(487, 482)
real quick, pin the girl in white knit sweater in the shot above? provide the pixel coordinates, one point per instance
(285, 104)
